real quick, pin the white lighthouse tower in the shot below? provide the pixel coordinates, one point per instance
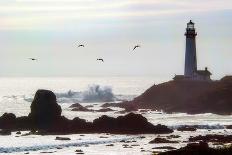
(190, 68)
(190, 53)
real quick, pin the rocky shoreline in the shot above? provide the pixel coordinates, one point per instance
(184, 96)
(45, 118)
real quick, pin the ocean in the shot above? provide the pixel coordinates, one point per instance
(16, 95)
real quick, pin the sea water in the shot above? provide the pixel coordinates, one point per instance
(16, 95)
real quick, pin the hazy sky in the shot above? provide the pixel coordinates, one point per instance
(50, 30)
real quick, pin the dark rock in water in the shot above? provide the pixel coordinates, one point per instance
(103, 137)
(187, 96)
(173, 136)
(46, 152)
(199, 149)
(186, 128)
(8, 117)
(110, 145)
(89, 106)
(229, 126)
(105, 105)
(45, 118)
(62, 138)
(44, 108)
(7, 120)
(18, 133)
(78, 107)
(165, 148)
(130, 123)
(78, 151)
(105, 110)
(135, 145)
(5, 132)
(161, 140)
(212, 138)
(75, 105)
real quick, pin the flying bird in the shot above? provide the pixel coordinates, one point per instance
(33, 59)
(100, 60)
(81, 45)
(137, 46)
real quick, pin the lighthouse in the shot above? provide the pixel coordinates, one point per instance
(190, 68)
(190, 51)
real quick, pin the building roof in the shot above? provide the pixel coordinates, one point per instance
(203, 72)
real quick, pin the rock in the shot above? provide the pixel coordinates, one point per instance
(200, 145)
(8, 117)
(212, 138)
(199, 149)
(46, 152)
(103, 137)
(173, 136)
(78, 107)
(161, 140)
(18, 133)
(75, 105)
(44, 108)
(165, 148)
(45, 118)
(186, 128)
(105, 105)
(110, 145)
(187, 96)
(79, 152)
(105, 110)
(59, 148)
(5, 132)
(7, 121)
(62, 138)
(229, 127)
(135, 145)
(126, 146)
(128, 124)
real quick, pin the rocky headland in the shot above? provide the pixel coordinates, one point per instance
(185, 96)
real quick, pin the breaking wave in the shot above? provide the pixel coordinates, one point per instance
(94, 93)
(55, 146)
(206, 126)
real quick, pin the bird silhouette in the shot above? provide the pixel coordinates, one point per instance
(81, 45)
(137, 46)
(33, 59)
(100, 60)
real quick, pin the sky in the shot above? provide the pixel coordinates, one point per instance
(51, 30)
